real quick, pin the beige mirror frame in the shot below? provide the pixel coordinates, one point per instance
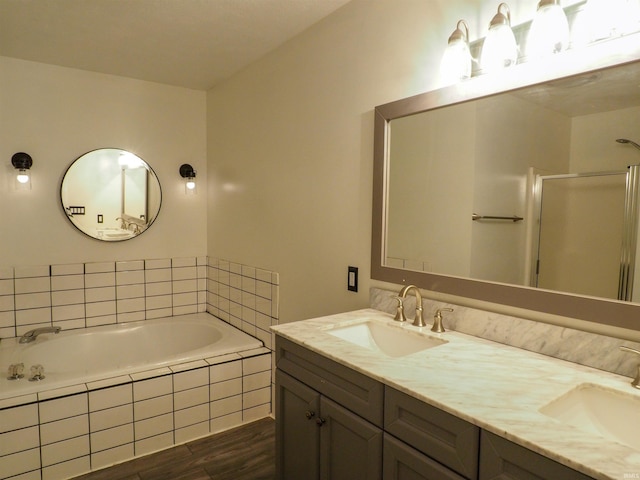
(603, 315)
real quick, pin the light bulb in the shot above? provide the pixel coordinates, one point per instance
(23, 176)
(191, 184)
(549, 32)
(500, 49)
(602, 19)
(456, 60)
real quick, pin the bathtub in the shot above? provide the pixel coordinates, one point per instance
(86, 355)
(117, 392)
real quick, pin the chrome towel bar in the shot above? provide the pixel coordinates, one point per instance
(475, 216)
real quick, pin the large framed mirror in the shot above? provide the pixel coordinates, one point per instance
(516, 189)
(110, 194)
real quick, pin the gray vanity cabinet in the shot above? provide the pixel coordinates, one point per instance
(440, 436)
(402, 462)
(333, 423)
(501, 459)
(297, 435)
(328, 418)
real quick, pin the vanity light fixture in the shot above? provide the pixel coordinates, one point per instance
(602, 19)
(500, 49)
(22, 162)
(456, 61)
(549, 31)
(189, 174)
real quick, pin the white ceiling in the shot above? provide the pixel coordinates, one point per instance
(189, 43)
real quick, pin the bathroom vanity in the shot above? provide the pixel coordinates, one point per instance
(351, 405)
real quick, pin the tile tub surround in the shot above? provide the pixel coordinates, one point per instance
(244, 296)
(85, 295)
(597, 351)
(494, 386)
(62, 433)
(100, 293)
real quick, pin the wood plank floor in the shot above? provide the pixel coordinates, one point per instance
(243, 453)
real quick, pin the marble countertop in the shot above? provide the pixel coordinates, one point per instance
(494, 386)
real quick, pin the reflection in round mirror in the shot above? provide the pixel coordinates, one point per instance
(111, 194)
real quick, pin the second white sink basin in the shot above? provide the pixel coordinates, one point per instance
(392, 341)
(599, 410)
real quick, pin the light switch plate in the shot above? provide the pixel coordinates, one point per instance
(352, 279)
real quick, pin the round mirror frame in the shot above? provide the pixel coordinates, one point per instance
(99, 175)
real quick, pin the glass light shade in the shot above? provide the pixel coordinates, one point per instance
(190, 186)
(456, 60)
(23, 180)
(500, 49)
(602, 19)
(549, 32)
(23, 176)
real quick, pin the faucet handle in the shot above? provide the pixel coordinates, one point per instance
(400, 317)
(37, 373)
(437, 320)
(15, 371)
(636, 381)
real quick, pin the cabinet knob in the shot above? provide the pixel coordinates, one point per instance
(309, 414)
(320, 421)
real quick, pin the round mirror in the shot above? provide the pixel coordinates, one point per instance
(111, 194)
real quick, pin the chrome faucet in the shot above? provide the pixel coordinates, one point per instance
(31, 335)
(418, 321)
(636, 381)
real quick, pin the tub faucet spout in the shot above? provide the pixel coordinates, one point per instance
(31, 335)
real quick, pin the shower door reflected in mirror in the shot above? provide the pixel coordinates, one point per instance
(111, 194)
(583, 223)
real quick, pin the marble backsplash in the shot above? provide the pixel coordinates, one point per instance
(597, 351)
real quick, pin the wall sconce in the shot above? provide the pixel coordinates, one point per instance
(456, 61)
(549, 32)
(22, 162)
(189, 174)
(500, 49)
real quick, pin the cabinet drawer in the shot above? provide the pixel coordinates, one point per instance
(501, 459)
(356, 392)
(401, 462)
(440, 435)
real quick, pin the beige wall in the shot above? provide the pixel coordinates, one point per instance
(596, 153)
(57, 114)
(290, 143)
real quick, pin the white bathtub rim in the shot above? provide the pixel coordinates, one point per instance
(12, 391)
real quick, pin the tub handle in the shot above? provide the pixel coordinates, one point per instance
(15, 371)
(37, 373)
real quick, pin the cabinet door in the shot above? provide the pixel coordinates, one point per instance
(501, 459)
(350, 447)
(401, 462)
(297, 433)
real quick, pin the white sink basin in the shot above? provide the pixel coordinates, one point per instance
(390, 340)
(599, 410)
